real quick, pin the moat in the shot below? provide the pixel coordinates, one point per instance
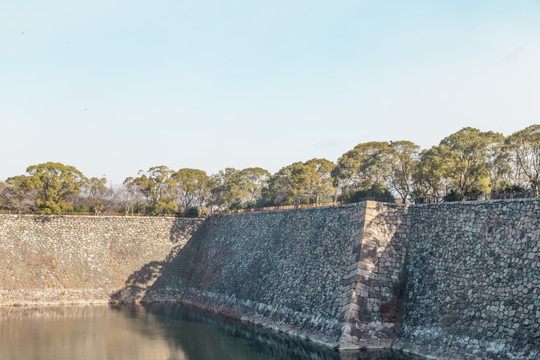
(155, 332)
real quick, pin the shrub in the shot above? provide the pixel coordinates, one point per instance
(453, 195)
(192, 212)
(79, 208)
(376, 192)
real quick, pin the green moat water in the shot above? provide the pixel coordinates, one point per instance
(154, 332)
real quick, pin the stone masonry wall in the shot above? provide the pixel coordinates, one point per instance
(286, 270)
(473, 281)
(378, 278)
(320, 273)
(448, 281)
(64, 259)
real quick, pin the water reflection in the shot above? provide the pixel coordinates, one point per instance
(160, 332)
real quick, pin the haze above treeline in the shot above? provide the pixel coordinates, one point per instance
(466, 164)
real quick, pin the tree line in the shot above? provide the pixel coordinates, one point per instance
(464, 165)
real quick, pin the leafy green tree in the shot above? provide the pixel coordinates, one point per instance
(300, 179)
(192, 187)
(289, 184)
(501, 173)
(429, 176)
(498, 162)
(97, 208)
(97, 187)
(253, 181)
(321, 187)
(157, 186)
(524, 149)
(403, 160)
(226, 191)
(95, 196)
(54, 183)
(366, 165)
(299, 183)
(469, 154)
(233, 188)
(279, 186)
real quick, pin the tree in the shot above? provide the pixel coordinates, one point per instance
(299, 183)
(94, 198)
(54, 183)
(501, 173)
(3, 196)
(192, 187)
(289, 184)
(130, 197)
(279, 186)
(226, 190)
(157, 186)
(403, 160)
(233, 188)
(17, 198)
(322, 183)
(468, 156)
(253, 181)
(429, 176)
(97, 187)
(20, 199)
(97, 207)
(524, 149)
(361, 168)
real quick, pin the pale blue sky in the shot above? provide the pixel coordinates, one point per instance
(112, 87)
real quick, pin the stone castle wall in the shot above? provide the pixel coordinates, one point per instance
(286, 270)
(378, 275)
(319, 273)
(454, 280)
(80, 258)
(473, 280)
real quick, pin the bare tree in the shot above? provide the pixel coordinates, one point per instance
(20, 199)
(129, 197)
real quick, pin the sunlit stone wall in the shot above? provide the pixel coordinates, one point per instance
(62, 259)
(473, 281)
(374, 306)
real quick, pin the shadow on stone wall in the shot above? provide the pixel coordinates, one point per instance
(157, 279)
(137, 283)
